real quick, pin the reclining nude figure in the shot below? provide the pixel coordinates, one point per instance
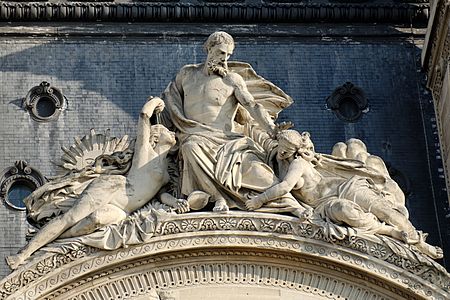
(355, 201)
(109, 199)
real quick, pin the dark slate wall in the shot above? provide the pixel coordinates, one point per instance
(107, 80)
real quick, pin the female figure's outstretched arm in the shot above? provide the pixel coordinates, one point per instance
(293, 178)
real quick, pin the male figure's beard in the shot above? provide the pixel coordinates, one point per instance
(218, 68)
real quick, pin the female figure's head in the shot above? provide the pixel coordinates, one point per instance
(161, 137)
(292, 144)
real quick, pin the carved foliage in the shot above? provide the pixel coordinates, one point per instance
(406, 258)
(203, 268)
(41, 268)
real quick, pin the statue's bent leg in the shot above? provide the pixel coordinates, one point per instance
(198, 172)
(392, 217)
(383, 209)
(107, 215)
(409, 233)
(344, 211)
(257, 175)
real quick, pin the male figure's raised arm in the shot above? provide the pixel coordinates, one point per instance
(257, 111)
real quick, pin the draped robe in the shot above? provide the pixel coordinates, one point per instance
(229, 163)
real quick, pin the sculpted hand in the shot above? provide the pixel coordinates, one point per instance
(306, 215)
(182, 206)
(154, 105)
(280, 127)
(254, 203)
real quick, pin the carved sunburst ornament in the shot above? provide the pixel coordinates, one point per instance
(86, 149)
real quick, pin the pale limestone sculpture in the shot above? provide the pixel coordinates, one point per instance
(109, 199)
(356, 201)
(202, 104)
(223, 114)
(355, 149)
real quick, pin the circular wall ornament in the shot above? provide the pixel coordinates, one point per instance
(348, 102)
(44, 102)
(17, 182)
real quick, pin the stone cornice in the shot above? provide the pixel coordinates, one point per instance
(70, 31)
(436, 55)
(299, 246)
(436, 34)
(435, 61)
(214, 12)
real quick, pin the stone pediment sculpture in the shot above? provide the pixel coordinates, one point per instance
(154, 219)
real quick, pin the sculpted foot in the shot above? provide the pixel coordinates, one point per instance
(432, 251)
(14, 261)
(221, 206)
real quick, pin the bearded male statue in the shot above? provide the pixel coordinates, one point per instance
(201, 106)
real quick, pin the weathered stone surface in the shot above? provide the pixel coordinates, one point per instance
(76, 127)
(204, 251)
(222, 161)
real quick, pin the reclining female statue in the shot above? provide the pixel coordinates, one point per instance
(354, 201)
(109, 199)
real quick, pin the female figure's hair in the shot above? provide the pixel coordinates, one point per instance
(294, 138)
(302, 143)
(117, 163)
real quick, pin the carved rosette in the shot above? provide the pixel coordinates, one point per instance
(17, 176)
(248, 249)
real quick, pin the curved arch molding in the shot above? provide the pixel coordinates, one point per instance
(238, 255)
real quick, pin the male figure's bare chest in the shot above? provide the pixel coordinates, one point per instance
(209, 90)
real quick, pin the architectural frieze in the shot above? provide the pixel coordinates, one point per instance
(439, 51)
(250, 236)
(213, 12)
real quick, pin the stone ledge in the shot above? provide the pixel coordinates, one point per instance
(370, 258)
(213, 12)
(72, 31)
